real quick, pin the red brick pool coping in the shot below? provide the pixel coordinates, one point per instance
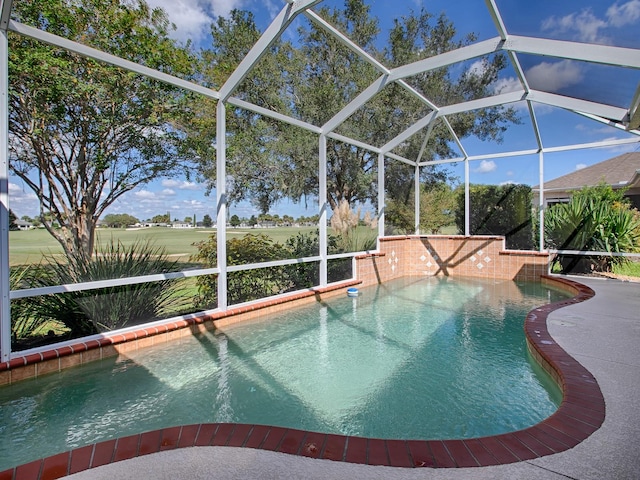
(581, 413)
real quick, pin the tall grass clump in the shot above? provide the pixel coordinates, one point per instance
(25, 323)
(345, 222)
(107, 308)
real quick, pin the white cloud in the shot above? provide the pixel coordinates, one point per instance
(193, 18)
(190, 186)
(192, 203)
(583, 26)
(580, 166)
(22, 201)
(144, 195)
(552, 77)
(170, 183)
(506, 85)
(477, 68)
(221, 8)
(625, 14)
(168, 192)
(181, 184)
(486, 166)
(190, 18)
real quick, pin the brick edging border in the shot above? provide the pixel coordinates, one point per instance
(581, 413)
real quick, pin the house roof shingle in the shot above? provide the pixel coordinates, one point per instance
(617, 171)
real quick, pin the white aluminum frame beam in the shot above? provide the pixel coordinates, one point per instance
(270, 35)
(541, 201)
(265, 112)
(416, 199)
(351, 141)
(221, 205)
(582, 146)
(534, 124)
(393, 156)
(323, 206)
(99, 55)
(362, 98)
(501, 99)
(381, 198)
(486, 102)
(5, 13)
(398, 74)
(358, 102)
(634, 111)
(586, 52)
(346, 41)
(578, 105)
(5, 286)
(448, 58)
(606, 121)
(494, 11)
(96, 54)
(522, 153)
(409, 132)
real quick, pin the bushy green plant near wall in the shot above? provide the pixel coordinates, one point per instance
(499, 210)
(242, 285)
(438, 202)
(595, 219)
(253, 284)
(103, 309)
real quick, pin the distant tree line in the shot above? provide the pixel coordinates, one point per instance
(123, 220)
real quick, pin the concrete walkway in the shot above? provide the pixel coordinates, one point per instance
(602, 333)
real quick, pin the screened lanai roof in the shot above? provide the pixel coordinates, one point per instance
(580, 59)
(559, 60)
(582, 72)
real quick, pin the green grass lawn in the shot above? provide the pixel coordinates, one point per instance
(630, 269)
(28, 247)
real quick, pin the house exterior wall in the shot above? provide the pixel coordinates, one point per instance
(551, 197)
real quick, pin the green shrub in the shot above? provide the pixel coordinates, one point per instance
(246, 285)
(595, 219)
(499, 210)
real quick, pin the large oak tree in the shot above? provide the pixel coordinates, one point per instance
(314, 77)
(83, 133)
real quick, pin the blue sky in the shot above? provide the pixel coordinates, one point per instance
(602, 21)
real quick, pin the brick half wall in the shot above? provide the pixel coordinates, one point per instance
(478, 256)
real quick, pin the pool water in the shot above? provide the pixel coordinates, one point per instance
(435, 358)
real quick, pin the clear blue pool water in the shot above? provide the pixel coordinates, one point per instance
(433, 358)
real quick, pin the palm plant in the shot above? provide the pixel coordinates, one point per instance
(595, 219)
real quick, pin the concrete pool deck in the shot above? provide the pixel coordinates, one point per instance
(601, 333)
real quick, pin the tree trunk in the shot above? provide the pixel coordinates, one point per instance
(77, 237)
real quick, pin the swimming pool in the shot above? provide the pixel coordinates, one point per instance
(389, 363)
